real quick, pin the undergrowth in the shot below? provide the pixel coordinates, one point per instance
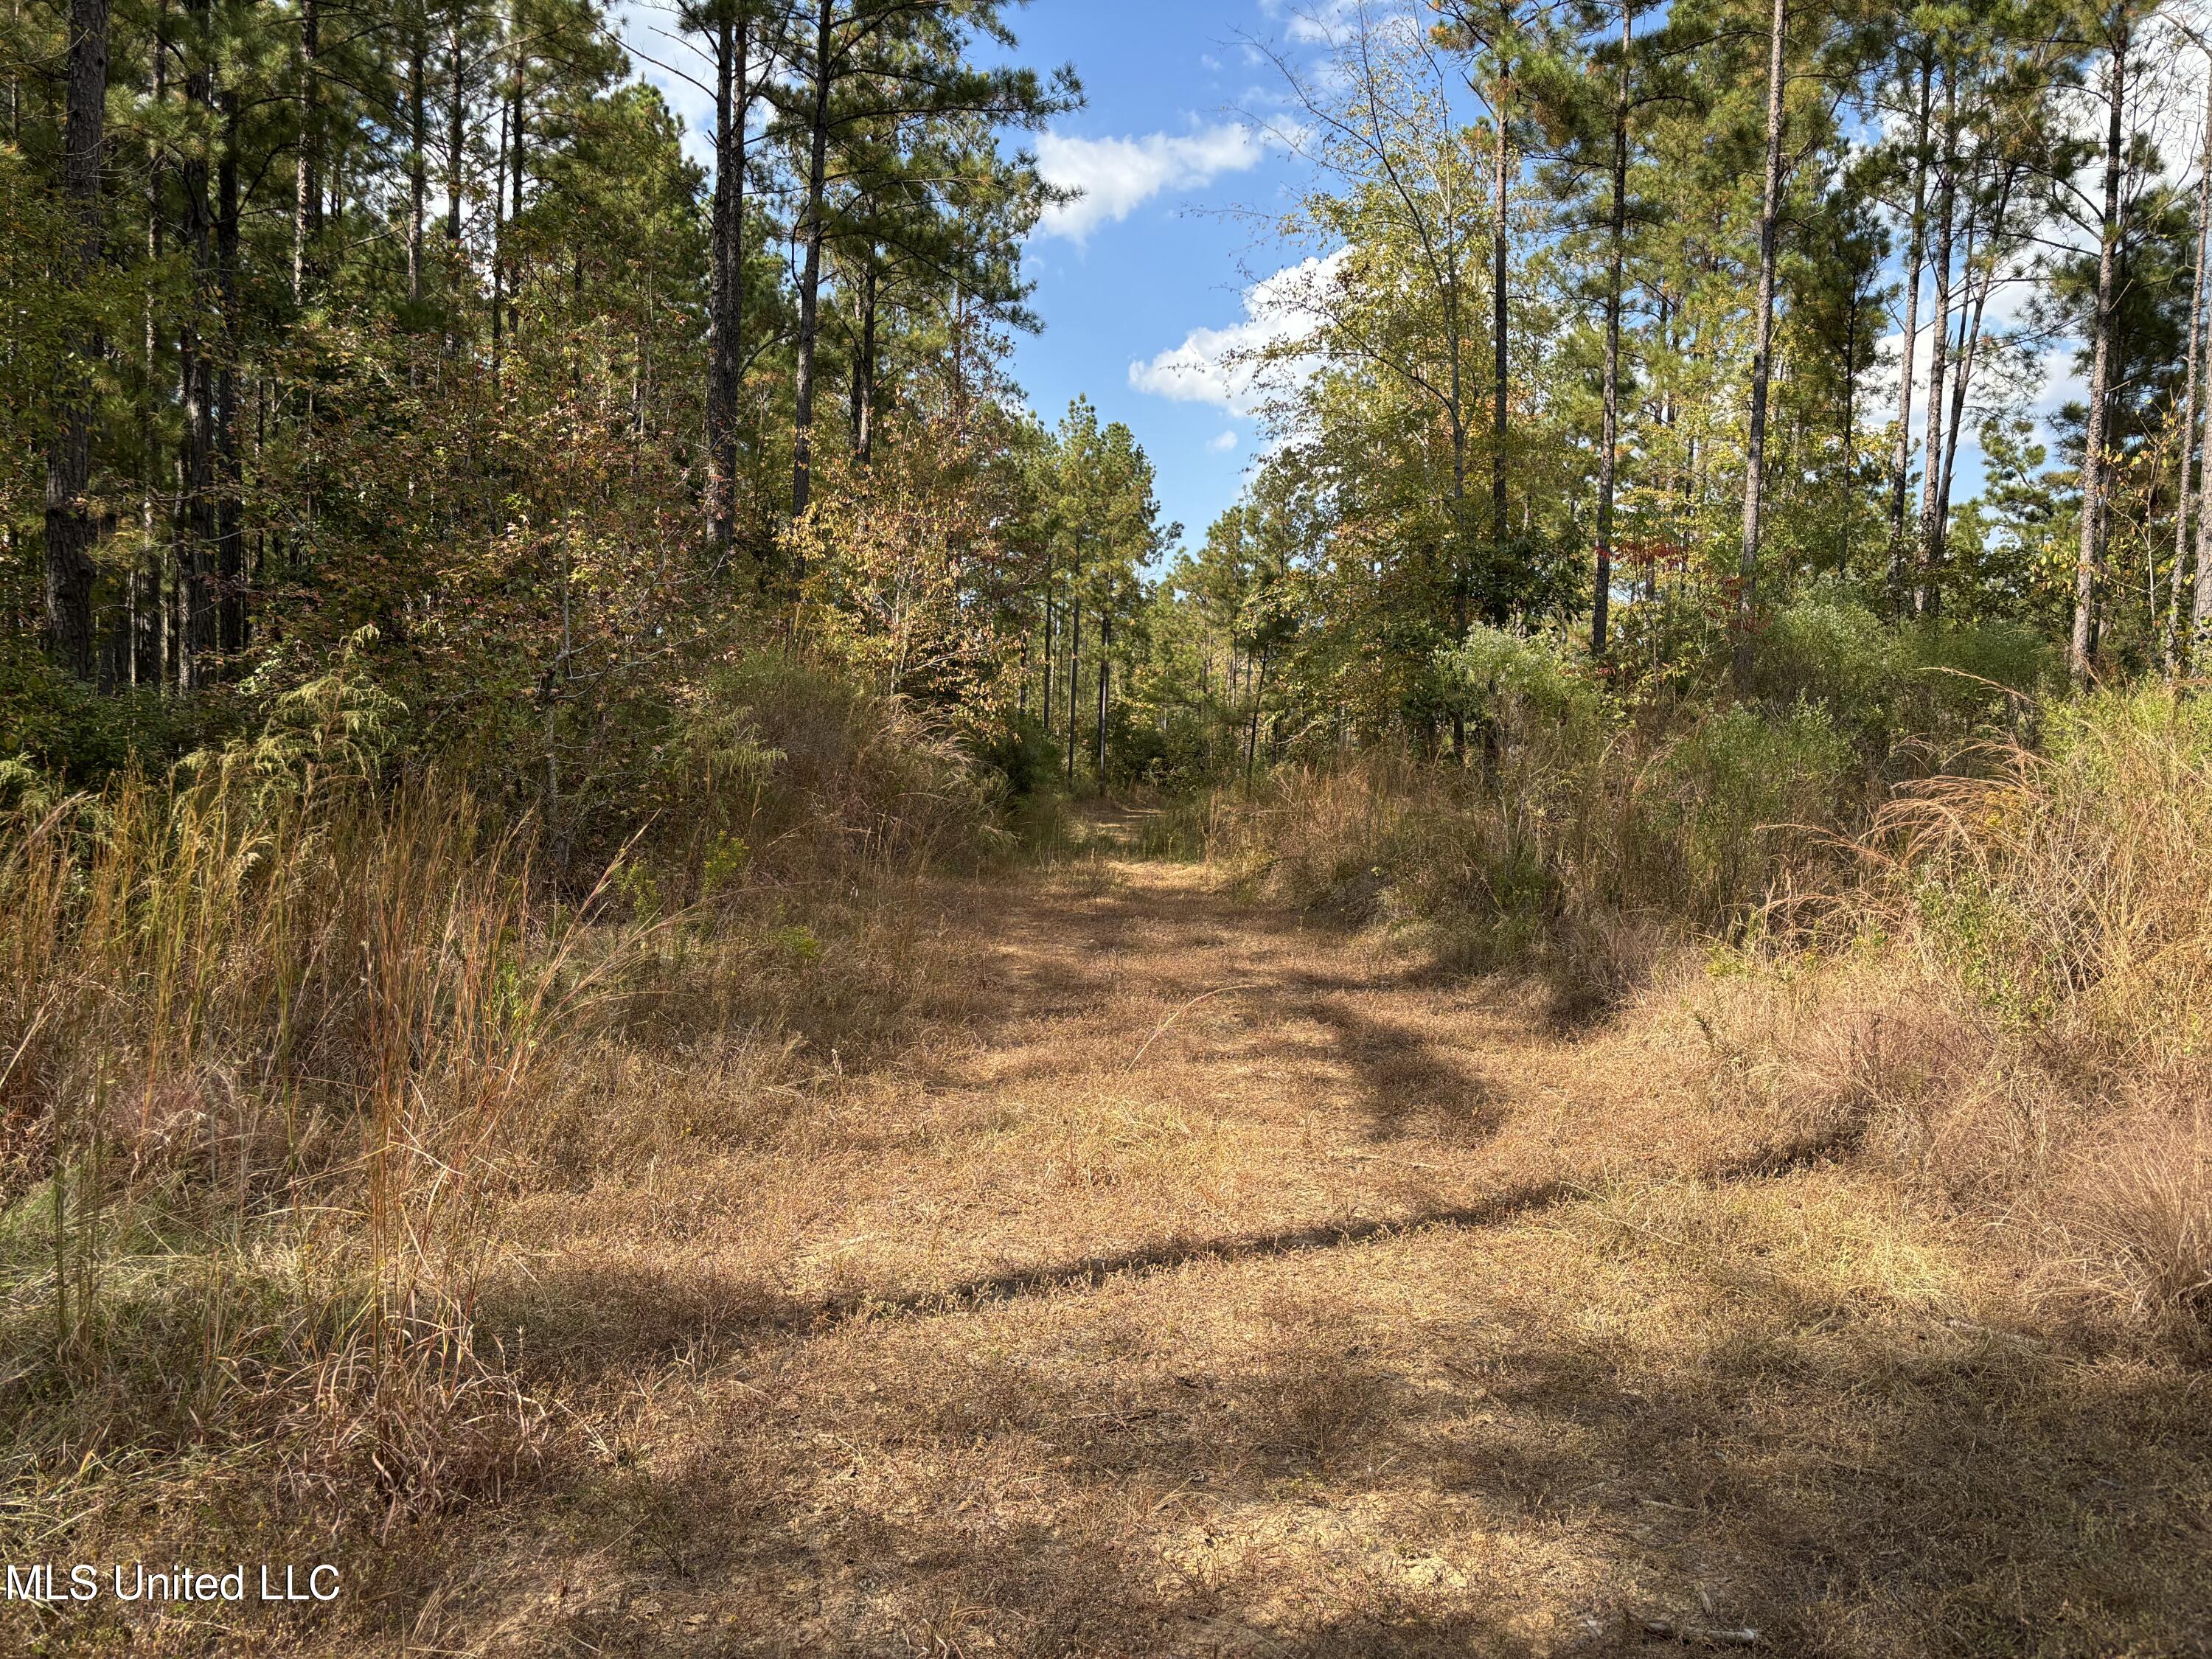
(1917, 913)
(279, 1030)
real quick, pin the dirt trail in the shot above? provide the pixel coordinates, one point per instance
(1205, 1281)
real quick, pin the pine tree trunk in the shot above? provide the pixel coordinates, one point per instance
(1969, 351)
(1462, 577)
(457, 115)
(1074, 679)
(1847, 516)
(147, 612)
(1252, 732)
(1500, 368)
(518, 150)
(2174, 649)
(1667, 420)
(418, 178)
(1105, 679)
(230, 545)
(1915, 257)
(1608, 457)
(307, 173)
(1762, 359)
(864, 369)
(1044, 699)
(499, 240)
(70, 533)
(2200, 610)
(809, 281)
(2089, 568)
(2194, 651)
(195, 528)
(1923, 599)
(726, 295)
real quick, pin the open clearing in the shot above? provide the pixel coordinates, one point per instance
(1205, 1281)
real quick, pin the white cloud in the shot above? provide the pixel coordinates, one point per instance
(1313, 21)
(1117, 176)
(1221, 443)
(1217, 366)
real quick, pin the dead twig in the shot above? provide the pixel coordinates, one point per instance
(1700, 1636)
(1218, 990)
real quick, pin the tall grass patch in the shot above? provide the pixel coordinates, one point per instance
(270, 1034)
(1576, 832)
(2019, 1018)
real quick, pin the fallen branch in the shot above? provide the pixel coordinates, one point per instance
(1667, 1630)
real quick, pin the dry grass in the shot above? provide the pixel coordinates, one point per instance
(275, 1045)
(2005, 1005)
(1196, 1279)
(1579, 850)
(2072, 891)
(2142, 1215)
(2017, 1019)
(271, 1041)
(1076, 1259)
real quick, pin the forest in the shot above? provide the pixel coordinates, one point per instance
(675, 977)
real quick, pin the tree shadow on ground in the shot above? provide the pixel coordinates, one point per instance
(1315, 1477)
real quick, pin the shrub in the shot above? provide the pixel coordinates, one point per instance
(1928, 688)
(815, 775)
(1749, 796)
(2020, 1021)
(2069, 890)
(269, 1032)
(1576, 814)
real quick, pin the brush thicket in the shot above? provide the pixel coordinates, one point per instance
(269, 1037)
(2020, 1017)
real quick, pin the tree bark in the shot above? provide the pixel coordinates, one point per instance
(726, 295)
(2194, 651)
(306, 175)
(196, 529)
(518, 150)
(1500, 368)
(1608, 457)
(1915, 257)
(809, 281)
(418, 177)
(864, 368)
(1762, 359)
(2175, 647)
(2089, 567)
(70, 529)
(457, 115)
(2200, 611)
(1044, 699)
(1923, 597)
(147, 613)
(1252, 732)
(1105, 679)
(230, 546)
(498, 239)
(1074, 678)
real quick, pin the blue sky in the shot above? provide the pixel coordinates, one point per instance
(1144, 280)
(1153, 252)
(1158, 249)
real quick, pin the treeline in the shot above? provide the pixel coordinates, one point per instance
(406, 330)
(1638, 326)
